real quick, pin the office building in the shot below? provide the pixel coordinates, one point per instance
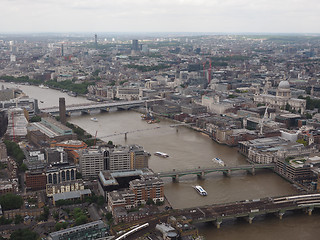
(60, 174)
(118, 158)
(63, 187)
(115, 180)
(35, 180)
(91, 161)
(139, 192)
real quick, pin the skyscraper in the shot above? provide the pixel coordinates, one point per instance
(62, 53)
(96, 41)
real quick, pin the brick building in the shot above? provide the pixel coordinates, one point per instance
(35, 180)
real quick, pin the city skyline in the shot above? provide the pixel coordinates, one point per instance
(160, 16)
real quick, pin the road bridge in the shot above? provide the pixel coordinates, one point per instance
(201, 172)
(249, 209)
(103, 107)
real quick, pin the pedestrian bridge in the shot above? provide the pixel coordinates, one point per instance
(201, 172)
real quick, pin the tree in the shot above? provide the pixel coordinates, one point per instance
(100, 201)
(81, 220)
(304, 142)
(35, 119)
(23, 234)
(4, 221)
(308, 116)
(58, 226)
(14, 151)
(109, 216)
(18, 219)
(23, 167)
(56, 216)
(149, 201)
(10, 201)
(45, 215)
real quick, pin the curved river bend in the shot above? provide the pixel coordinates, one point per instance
(189, 149)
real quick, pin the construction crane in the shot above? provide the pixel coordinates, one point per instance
(263, 119)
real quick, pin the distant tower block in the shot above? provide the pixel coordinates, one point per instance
(96, 41)
(135, 45)
(62, 110)
(62, 52)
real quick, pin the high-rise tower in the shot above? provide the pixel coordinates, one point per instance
(96, 41)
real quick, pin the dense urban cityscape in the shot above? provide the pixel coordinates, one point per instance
(66, 173)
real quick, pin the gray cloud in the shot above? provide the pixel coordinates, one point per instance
(161, 15)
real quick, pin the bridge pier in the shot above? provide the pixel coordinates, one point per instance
(85, 112)
(227, 173)
(280, 214)
(252, 171)
(249, 219)
(218, 223)
(175, 178)
(201, 175)
(309, 211)
(104, 109)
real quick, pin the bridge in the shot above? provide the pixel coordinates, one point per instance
(103, 107)
(126, 133)
(249, 209)
(201, 172)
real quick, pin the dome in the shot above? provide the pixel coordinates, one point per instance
(284, 85)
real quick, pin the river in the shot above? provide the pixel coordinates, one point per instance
(188, 150)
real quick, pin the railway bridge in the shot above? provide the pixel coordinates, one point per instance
(249, 209)
(102, 107)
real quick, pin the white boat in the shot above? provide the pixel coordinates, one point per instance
(43, 86)
(94, 119)
(161, 154)
(218, 160)
(200, 190)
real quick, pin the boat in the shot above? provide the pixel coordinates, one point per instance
(200, 190)
(153, 121)
(94, 119)
(43, 86)
(218, 160)
(72, 94)
(161, 154)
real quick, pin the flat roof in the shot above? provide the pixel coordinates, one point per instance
(70, 195)
(73, 229)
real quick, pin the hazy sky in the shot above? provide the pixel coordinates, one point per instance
(288, 16)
